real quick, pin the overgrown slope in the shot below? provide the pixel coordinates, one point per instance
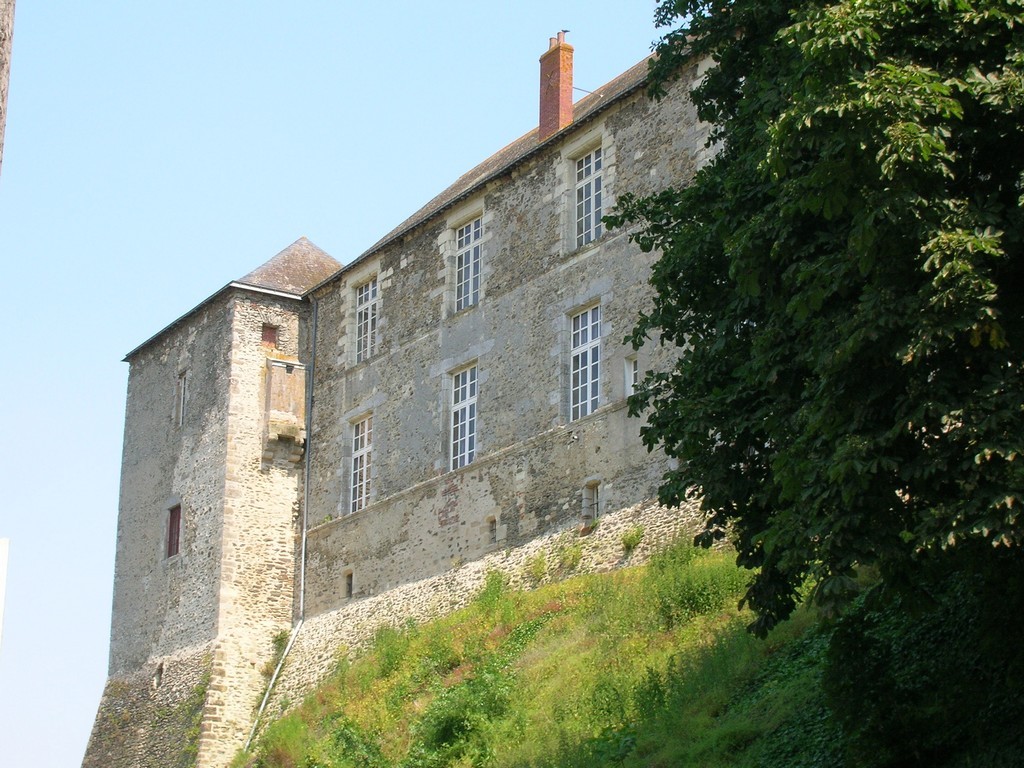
(647, 666)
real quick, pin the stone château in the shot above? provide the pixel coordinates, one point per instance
(314, 437)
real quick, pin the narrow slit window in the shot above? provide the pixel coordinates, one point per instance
(173, 530)
(632, 374)
(591, 501)
(180, 398)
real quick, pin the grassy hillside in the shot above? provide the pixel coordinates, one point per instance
(647, 666)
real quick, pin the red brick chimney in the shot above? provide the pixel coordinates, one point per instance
(555, 87)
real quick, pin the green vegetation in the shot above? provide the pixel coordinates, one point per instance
(843, 283)
(648, 666)
(631, 539)
(536, 568)
(279, 642)
(653, 666)
(191, 712)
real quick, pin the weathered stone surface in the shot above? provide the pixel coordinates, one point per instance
(233, 451)
(152, 715)
(532, 461)
(324, 639)
(230, 587)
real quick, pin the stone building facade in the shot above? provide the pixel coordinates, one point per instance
(314, 435)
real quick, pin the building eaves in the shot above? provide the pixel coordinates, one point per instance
(288, 275)
(503, 161)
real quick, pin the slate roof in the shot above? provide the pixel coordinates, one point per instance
(291, 273)
(302, 266)
(295, 270)
(505, 159)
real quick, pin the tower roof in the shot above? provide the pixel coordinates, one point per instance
(291, 273)
(296, 269)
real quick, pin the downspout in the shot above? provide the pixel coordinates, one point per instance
(309, 446)
(310, 369)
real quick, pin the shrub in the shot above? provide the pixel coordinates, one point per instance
(278, 643)
(685, 582)
(537, 568)
(390, 646)
(569, 557)
(492, 592)
(285, 742)
(631, 539)
(933, 678)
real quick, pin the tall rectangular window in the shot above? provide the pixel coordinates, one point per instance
(366, 319)
(173, 530)
(467, 264)
(588, 198)
(464, 390)
(586, 362)
(362, 453)
(180, 396)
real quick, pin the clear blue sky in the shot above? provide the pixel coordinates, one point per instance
(155, 152)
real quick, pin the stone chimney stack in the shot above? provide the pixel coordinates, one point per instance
(555, 87)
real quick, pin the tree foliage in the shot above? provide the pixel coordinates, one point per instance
(845, 282)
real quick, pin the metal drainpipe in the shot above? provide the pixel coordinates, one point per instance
(305, 518)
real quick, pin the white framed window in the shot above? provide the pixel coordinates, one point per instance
(467, 263)
(586, 362)
(366, 319)
(464, 392)
(362, 456)
(588, 197)
(632, 374)
(180, 398)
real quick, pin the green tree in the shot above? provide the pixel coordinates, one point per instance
(845, 282)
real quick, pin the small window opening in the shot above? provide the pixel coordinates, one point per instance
(173, 530)
(180, 398)
(269, 335)
(592, 500)
(348, 584)
(492, 530)
(632, 374)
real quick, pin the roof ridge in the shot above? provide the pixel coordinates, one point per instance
(585, 109)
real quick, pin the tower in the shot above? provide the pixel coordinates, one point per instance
(208, 518)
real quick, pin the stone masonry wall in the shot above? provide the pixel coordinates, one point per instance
(261, 507)
(324, 639)
(230, 588)
(527, 489)
(151, 715)
(165, 604)
(192, 631)
(532, 461)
